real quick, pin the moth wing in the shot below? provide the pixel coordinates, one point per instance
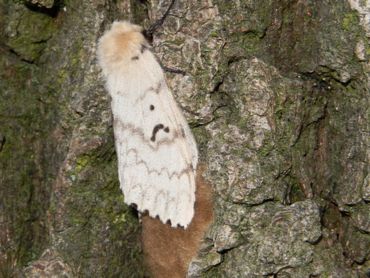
(161, 155)
(157, 154)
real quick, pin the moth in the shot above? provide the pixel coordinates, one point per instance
(156, 150)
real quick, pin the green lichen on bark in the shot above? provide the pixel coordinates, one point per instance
(24, 119)
(97, 225)
(318, 100)
(29, 34)
(60, 190)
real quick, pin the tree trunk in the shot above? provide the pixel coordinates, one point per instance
(276, 93)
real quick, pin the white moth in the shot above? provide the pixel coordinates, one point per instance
(157, 153)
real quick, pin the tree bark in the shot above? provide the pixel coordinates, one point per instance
(276, 93)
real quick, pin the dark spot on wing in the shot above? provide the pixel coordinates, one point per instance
(183, 132)
(155, 130)
(135, 58)
(151, 107)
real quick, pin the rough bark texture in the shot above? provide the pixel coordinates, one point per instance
(277, 93)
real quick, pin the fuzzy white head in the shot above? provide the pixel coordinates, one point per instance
(118, 45)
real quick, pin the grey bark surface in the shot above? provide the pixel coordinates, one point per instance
(276, 92)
